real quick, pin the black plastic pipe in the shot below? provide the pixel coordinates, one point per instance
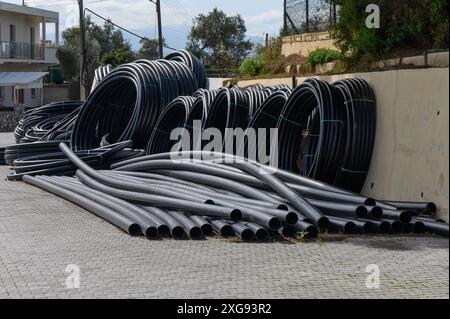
(222, 228)
(123, 222)
(203, 224)
(283, 190)
(190, 227)
(244, 232)
(433, 227)
(342, 225)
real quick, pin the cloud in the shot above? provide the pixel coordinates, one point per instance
(139, 15)
(266, 22)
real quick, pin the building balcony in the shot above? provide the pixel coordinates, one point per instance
(16, 51)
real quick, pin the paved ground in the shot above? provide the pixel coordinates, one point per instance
(40, 235)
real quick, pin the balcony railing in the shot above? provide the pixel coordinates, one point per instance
(19, 50)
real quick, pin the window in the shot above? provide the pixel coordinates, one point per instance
(33, 93)
(12, 33)
(2, 93)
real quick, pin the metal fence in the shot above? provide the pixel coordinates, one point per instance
(303, 16)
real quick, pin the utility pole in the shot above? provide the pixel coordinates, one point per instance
(82, 50)
(307, 15)
(160, 36)
(285, 30)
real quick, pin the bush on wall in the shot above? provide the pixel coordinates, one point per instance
(412, 24)
(323, 55)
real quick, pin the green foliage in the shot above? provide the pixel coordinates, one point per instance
(149, 49)
(323, 55)
(104, 44)
(272, 55)
(219, 39)
(253, 65)
(266, 59)
(120, 56)
(412, 24)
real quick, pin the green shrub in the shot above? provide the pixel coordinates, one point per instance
(322, 55)
(253, 66)
(412, 24)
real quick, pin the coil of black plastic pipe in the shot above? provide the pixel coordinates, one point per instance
(130, 99)
(327, 132)
(175, 115)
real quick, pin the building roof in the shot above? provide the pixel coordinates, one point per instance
(22, 79)
(19, 9)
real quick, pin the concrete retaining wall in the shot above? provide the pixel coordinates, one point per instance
(304, 44)
(411, 157)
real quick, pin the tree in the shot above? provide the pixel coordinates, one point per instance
(120, 56)
(219, 39)
(149, 49)
(104, 45)
(413, 24)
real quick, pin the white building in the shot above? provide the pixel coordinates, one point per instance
(25, 53)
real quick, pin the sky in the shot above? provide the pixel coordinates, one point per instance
(261, 16)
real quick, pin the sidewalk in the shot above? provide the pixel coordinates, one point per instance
(40, 235)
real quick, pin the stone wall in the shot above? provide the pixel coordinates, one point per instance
(303, 44)
(9, 120)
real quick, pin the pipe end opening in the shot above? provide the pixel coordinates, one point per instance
(432, 208)
(323, 222)
(274, 223)
(406, 216)
(207, 230)
(419, 228)
(287, 231)
(361, 211)
(311, 232)
(385, 227)
(262, 234)
(135, 230)
(396, 227)
(164, 230)
(247, 235)
(376, 212)
(236, 215)
(195, 233)
(369, 228)
(152, 233)
(292, 218)
(350, 228)
(178, 232)
(227, 231)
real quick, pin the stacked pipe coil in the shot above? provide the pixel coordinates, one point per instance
(175, 115)
(49, 160)
(128, 102)
(38, 122)
(336, 127)
(99, 74)
(193, 63)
